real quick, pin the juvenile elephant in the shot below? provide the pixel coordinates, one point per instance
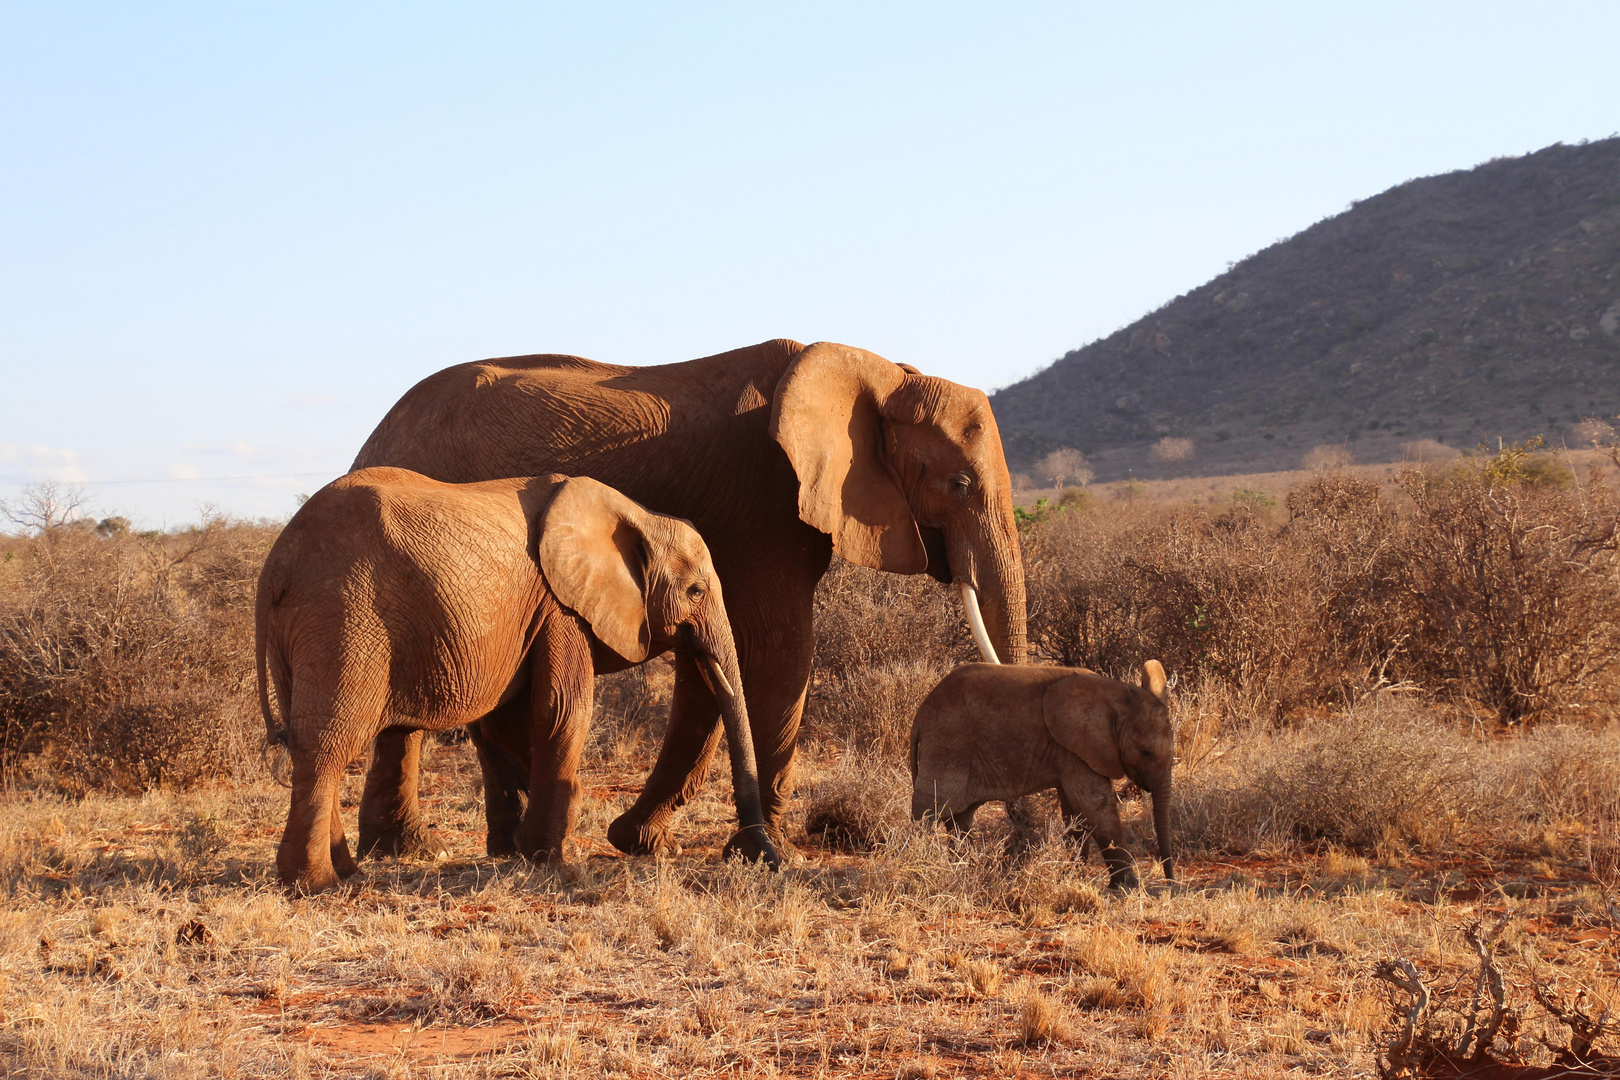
(392, 601)
(993, 734)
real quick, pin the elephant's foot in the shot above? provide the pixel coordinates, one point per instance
(410, 841)
(641, 838)
(753, 845)
(343, 863)
(1121, 870)
(501, 845)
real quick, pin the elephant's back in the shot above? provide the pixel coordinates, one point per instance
(975, 701)
(434, 584)
(528, 415)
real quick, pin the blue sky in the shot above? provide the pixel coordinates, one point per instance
(232, 235)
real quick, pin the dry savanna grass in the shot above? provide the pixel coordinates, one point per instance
(1356, 786)
(146, 936)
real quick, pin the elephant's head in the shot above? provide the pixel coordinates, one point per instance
(906, 473)
(1120, 730)
(645, 583)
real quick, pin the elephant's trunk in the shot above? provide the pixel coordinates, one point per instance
(1161, 827)
(716, 657)
(991, 578)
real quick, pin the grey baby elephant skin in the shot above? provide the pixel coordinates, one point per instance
(994, 733)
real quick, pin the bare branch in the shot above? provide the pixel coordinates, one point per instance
(45, 506)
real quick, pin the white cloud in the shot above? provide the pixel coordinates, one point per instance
(42, 463)
(181, 471)
(240, 448)
(282, 483)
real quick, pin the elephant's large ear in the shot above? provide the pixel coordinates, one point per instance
(827, 415)
(1153, 679)
(591, 552)
(1079, 714)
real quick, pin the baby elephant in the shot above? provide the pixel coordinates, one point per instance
(394, 600)
(993, 733)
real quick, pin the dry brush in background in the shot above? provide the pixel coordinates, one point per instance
(1481, 593)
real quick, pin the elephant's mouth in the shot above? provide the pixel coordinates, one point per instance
(709, 667)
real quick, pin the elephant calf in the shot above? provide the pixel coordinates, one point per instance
(990, 733)
(395, 601)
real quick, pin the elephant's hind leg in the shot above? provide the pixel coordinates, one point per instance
(313, 851)
(390, 816)
(505, 778)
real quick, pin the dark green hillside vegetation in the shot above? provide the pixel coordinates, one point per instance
(1465, 307)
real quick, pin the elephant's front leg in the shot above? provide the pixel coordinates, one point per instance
(561, 700)
(775, 695)
(1090, 796)
(689, 745)
(390, 817)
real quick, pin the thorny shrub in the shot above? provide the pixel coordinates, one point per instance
(882, 642)
(126, 660)
(1496, 592)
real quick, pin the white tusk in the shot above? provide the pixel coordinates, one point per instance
(970, 605)
(720, 677)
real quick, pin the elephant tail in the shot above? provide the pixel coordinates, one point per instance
(272, 665)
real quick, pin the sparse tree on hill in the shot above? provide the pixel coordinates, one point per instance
(1328, 457)
(1594, 432)
(1170, 448)
(1422, 451)
(1063, 467)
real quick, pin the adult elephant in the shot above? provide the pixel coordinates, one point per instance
(780, 454)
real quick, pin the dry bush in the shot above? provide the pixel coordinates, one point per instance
(126, 659)
(1490, 586)
(1595, 432)
(1064, 466)
(1393, 772)
(870, 708)
(857, 803)
(1512, 589)
(1170, 448)
(1385, 774)
(1428, 451)
(1276, 614)
(882, 642)
(632, 706)
(1328, 457)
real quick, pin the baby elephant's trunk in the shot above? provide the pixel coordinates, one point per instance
(1161, 827)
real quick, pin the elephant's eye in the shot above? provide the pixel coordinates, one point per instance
(694, 591)
(962, 482)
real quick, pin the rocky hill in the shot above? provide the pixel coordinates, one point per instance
(1461, 307)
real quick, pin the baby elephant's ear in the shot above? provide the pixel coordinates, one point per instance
(1153, 679)
(1079, 714)
(591, 552)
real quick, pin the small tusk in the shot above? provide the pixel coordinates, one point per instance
(970, 605)
(720, 677)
